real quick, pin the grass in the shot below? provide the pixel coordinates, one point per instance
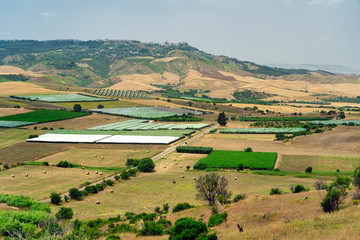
(11, 136)
(232, 159)
(86, 157)
(106, 104)
(39, 185)
(175, 133)
(318, 163)
(43, 115)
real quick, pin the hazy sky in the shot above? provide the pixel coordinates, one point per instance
(263, 31)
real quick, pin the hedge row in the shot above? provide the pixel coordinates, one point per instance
(201, 150)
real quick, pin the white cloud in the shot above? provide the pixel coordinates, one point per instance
(48, 14)
(329, 3)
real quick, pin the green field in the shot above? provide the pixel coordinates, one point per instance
(232, 159)
(136, 112)
(43, 115)
(174, 133)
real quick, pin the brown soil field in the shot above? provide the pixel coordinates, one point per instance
(342, 142)
(19, 88)
(12, 111)
(16, 70)
(168, 59)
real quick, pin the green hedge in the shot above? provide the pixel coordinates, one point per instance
(201, 150)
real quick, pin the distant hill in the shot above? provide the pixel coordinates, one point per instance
(336, 69)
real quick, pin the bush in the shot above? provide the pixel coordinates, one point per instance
(299, 188)
(356, 180)
(201, 166)
(77, 108)
(64, 164)
(100, 106)
(274, 191)
(109, 182)
(112, 237)
(91, 189)
(132, 172)
(187, 229)
(239, 197)
(75, 194)
(217, 219)
(166, 207)
(320, 184)
(181, 207)
(248, 149)
(125, 175)
(55, 198)
(64, 214)
(33, 136)
(130, 162)
(334, 197)
(240, 167)
(117, 177)
(308, 170)
(200, 150)
(146, 165)
(151, 229)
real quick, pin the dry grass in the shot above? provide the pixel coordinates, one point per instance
(318, 163)
(39, 185)
(19, 88)
(12, 111)
(86, 157)
(11, 136)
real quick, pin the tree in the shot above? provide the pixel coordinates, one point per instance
(222, 119)
(336, 194)
(64, 214)
(74, 193)
(125, 175)
(210, 187)
(248, 149)
(308, 170)
(146, 165)
(356, 180)
(100, 106)
(55, 198)
(187, 229)
(77, 108)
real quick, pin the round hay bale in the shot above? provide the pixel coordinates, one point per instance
(147, 151)
(87, 173)
(180, 166)
(194, 178)
(256, 195)
(235, 178)
(101, 173)
(97, 202)
(187, 164)
(164, 166)
(175, 163)
(111, 190)
(95, 155)
(165, 157)
(182, 176)
(102, 157)
(96, 172)
(26, 175)
(44, 172)
(140, 157)
(13, 176)
(162, 157)
(83, 168)
(174, 159)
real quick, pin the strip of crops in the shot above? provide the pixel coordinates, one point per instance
(262, 130)
(145, 125)
(11, 124)
(254, 119)
(136, 112)
(200, 150)
(232, 159)
(337, 122)
(44, 115)
(174, 133)
(63, 98)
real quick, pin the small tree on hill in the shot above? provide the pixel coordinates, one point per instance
(74, 193)
(210, 187)
(55, 198)
(146, 165)
(77, 108)
(64, 214)
(222, 119)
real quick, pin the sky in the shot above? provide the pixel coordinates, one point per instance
(262, 31)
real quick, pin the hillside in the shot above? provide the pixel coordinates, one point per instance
(132, 65)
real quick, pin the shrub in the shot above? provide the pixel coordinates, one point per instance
(117, 177)
(33, 136)
(44, 128)
(64, 164)
(130, 162)
(240, 167)
(132, 172)
(112, 237)
(157, 210)
(356, 180)
(91, 189)
(100, 106)
(64, 214)
(248, 149)
(239, 197)
(74, 193)
(55, 198)
(45, 163)
(181, 207)
(151, 228)
(125, 175)
(146, 165)
(201, 166)
(187, 229)
(217, 219)
(308, 170)
(274, 191)
(299, 188)
(166, 207)
(77, 108)
(165, 223)
(320, 184)
(334, 197)
(109, 182)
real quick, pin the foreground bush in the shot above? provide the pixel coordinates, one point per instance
(55, 198)
(217, 219)
(275, 191)
(188, 229)
(151, 229)
(75, 194)
(239, 197)
(64, 214)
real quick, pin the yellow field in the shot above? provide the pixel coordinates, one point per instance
(106, 104)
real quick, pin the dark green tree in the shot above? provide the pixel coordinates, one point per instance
(64, 214)
(222, 119)
(77, 108)
(146, 165)
(188, 229)
(74, 193)
(55, 198)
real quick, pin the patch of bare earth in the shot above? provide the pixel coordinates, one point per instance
(11, 111)
(17, 88)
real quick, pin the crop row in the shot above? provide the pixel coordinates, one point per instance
(232, 159)
(63, 98)
(337, 122)
(262, 130)
(131, 125)
(12, 124)
(119, 93)
(43, 115)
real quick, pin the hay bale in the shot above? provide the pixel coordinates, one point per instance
(26, 175)
(140, 157)
(175, 163)
(97, 202)
(44, 172)
(194, 178)
(256, 195)
(180, 166)
(101, 173)
(96, 172)
(102, 157)
(235, 178)
(182, 176)
(174, 159)
(13, 176)
(111, 190)
(83, 168)
(174, 182)
(147, 151)
(95, 155)
(87, 173)
(164, 166)
(165, 157)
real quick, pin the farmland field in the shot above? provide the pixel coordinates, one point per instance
(262, 130)
(11, 124)
(318, 163)
(64, 98)
(338, 122)
(137, 124)
(42, 116)
(39, 185)
(106, 104)
(86, 157)
(232, 159)
(144, 112)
